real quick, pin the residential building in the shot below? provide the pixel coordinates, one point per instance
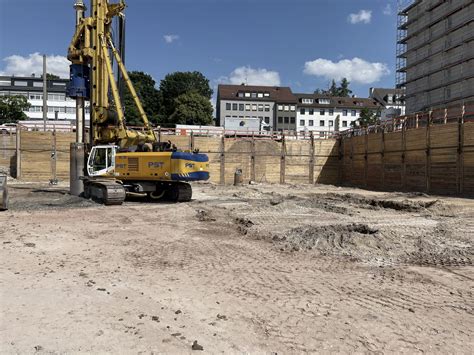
(241, 107)
(392, 101)
(435, 53)
(60, 107)
(323, 114)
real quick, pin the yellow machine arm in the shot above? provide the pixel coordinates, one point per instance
(91, 46)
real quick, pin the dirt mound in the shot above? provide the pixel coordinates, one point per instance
(40, 199)
(362, 242)
(435, 207)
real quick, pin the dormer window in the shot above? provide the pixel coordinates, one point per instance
(247, 94)
(307, 101)
(324, 101)
(260, 95)
(267, 94)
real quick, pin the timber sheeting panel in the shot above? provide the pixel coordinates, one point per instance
(326, 163)
(237, 156)
(36, 149)
(8, 153)
(267, 161)
(297, 162)
(468, 169)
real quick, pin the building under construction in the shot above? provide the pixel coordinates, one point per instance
(435, 52)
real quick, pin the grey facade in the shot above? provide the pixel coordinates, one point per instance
(271, 108)
(435, 53)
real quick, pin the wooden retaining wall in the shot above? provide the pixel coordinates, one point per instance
(432, 152)
(8, 154)
(43, 156)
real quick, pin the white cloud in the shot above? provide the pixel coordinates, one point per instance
(33, 64)
(251, 76)
(356, 70)
(363, 16)
(170, 38)
(387, 10)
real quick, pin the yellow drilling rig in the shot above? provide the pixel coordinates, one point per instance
(121, 160)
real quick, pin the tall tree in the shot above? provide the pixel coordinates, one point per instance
(179, 83)
(367, 118)
(192, 108)
(333, 89)
(12, 108)
(147, 93)
(343, 89)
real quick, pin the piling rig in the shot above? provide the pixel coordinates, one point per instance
(120, 160)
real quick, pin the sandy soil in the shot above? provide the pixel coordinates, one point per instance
(257, 269)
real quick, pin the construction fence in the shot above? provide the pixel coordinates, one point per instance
(430, 152)
(44, 156)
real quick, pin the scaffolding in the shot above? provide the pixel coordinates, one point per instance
(402, 18)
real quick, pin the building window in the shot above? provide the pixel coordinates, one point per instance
(353, 113)
(266, 94)
(321, 134)
(292, 120)
(287, 120)
(321, 123)
(331, 112)
(311, 123)
(260, 95)
(254, 95)
(247, 94)
(344, 112)
(34, 96)
(241, 107)
(267, 120)
(254, 107)
(234, 107)
(344, 123)
(20, 83)
(240, 94)
(307, 101)
(301, 122)
(267, 108)
(324, 101)
(247, 107)
(311, 111)
(331, 123)
(322, 112)
(228, 106)
(287, 108)
(280, 119)
(302, 111)
(280, 107)
(293, 108)
(260, 108)
(38, 84)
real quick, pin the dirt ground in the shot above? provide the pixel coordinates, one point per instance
(257, 268)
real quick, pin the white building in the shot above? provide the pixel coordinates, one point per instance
(322, 114)
(60, 107)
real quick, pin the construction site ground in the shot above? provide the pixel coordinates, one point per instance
(256, 268)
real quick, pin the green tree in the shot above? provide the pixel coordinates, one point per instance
(343, 89)
(176, 84)
(147, 93)
(192, 108)
(367, 118)
(12, 107)
(333, 89)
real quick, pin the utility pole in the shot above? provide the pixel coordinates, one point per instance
(45, 94)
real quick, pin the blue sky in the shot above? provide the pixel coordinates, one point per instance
(297, 43)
